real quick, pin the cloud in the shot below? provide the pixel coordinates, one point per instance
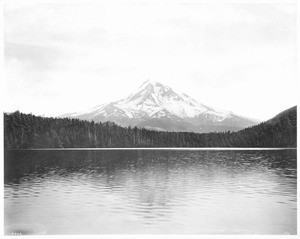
(90, 54)
(39, 58)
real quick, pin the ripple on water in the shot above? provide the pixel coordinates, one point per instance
(158, 191)
(25, 229)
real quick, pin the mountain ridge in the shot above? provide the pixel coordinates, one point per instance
(153, 104)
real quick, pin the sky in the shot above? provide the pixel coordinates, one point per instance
(62, 58)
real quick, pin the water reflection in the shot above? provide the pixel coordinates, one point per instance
(152, 191)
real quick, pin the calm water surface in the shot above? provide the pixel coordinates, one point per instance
(150, 191)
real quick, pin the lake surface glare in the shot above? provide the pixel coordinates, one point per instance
(150, 192)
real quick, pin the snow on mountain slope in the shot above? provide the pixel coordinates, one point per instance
(155, 106)
(153, 97)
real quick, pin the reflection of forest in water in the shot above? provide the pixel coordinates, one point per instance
(154, 178)
(151, 191)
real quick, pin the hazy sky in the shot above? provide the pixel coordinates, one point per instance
(63, 58)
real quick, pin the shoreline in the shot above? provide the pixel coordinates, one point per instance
(187, 149)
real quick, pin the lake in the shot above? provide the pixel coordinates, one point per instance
(150, 192)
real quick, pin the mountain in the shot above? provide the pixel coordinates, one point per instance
(23, 131)
(156, 106)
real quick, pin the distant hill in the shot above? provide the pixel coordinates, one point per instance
(288, 116)
(280, 131)
(29, 131)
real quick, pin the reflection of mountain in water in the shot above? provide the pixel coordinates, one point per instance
(153, 176)
(151, 191)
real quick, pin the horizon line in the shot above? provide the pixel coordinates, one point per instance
(162, 148)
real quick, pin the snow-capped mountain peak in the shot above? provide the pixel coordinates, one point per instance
(152, 97)
(155, 102)
(151, 88)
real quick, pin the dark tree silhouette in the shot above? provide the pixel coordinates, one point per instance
(23, 131)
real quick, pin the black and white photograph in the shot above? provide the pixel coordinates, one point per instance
(147, 117)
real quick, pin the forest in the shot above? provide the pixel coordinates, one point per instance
(27, 131)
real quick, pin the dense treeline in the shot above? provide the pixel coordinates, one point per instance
(29, 131)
